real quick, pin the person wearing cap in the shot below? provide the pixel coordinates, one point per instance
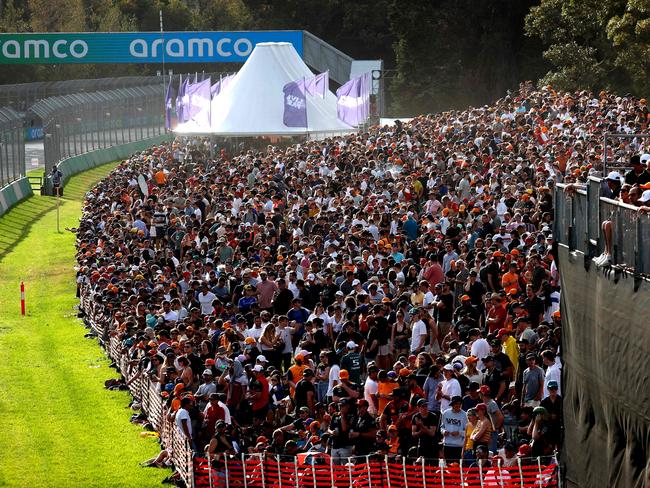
(371, 388)
(184, 421)
(305, 393)
(482, 433)
(424, 430)
(480, 347)
(363, 430)
(453, 422)
(212, 413)
(494, 414)
(205, 389)
(448, 388)
(538, 431)
(638, 175)
(533, 383)
(295, 372)
(346, 388)
(339, 431)
(352, 362)
(610, 187)
(554, 407)
(398, 415)
(510, 348)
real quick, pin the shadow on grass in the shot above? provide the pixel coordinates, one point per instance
(17, 222)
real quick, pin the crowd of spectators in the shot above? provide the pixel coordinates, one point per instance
(390, 292)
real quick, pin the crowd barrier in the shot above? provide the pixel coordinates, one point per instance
(317, 470)
(14, 193)
(144, 391)
(313, 470)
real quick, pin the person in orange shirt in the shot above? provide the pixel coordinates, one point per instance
(393, 440)
(160, 177)
(385, 390)
(510, 279)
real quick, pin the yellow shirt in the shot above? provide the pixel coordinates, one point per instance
(511, 349)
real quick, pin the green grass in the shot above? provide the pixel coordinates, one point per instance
(60, 427)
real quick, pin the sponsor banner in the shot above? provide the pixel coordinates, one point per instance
(137, 47)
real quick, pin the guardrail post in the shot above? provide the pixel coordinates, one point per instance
(539, 468)
(387, 471)
(638, 246)
(521, 472)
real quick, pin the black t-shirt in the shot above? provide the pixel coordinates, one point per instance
(425, 442)
(364, 424)
(340, 392)
(469, 402)
(476, 292)
(341, 436)
(445, 313)
(493, 379)
(302, 388)
(534, 306)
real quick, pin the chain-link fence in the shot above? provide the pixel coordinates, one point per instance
(78, 123)
(12, 147)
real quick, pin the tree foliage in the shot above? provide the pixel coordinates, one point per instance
(439, 54)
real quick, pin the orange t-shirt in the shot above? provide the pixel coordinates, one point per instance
(160, 177)
(385, 388)
(509, 281)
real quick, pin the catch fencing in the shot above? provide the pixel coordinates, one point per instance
(79, 123)
(579, 215)
(12, 147)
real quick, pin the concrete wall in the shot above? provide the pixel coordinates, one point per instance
(14, 193)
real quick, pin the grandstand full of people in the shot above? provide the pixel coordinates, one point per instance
(392, 292)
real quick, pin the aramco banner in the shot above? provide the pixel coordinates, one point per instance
(137, 47)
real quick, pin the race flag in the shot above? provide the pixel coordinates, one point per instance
(295, 104)
(169, 105)
(198, 103)
(353, 104)
(182, 88)
(221, 85)
(318, 84)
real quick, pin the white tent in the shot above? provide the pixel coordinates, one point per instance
(253, 103)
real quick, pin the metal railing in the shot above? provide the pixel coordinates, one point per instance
(82, 122)
(578, 219)
(12, 147)
(141, 388)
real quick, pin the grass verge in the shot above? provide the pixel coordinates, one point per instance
(61, 428)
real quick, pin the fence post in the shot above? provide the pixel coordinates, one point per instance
(243, 466)
(480, 472)
(462, 474)
(424, 475)
(499, 462)
(638, 245)
(442, 473)
(369, 472)
(295, 471)
(387, 471)
(349, 464)
(521, 473)
(226, 471)
(279, 471)
(262, 470)
(207, 456)
(332, 470)
(539, 469)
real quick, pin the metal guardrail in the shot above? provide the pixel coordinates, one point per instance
(578, 219)
(141, 388)
(12, 147)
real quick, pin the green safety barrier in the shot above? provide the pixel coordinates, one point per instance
(14, 193)
(77, 164)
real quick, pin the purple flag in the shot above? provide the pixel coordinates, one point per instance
(197, 107)
(169, 105)
(318, 84)
(353, 104)
(295, 104)
(182, 88)
(220, 85)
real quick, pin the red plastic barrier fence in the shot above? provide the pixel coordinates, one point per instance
(253, 472)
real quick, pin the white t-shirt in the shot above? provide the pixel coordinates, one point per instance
(333, 379)
(451, 388)
(370, 388)
(480, 349)
(553, 373)
(419, 329)
(181, 415)
(206, 302)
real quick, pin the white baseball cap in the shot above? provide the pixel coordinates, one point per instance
(614, 176)
(353, 345)
(645, 196)
(258, 368)
(262, 358)
(645, 158)
(356, 282)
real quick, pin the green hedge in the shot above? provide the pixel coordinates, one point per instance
(77, 164)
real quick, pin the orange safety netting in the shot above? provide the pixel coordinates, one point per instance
(271, 473)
